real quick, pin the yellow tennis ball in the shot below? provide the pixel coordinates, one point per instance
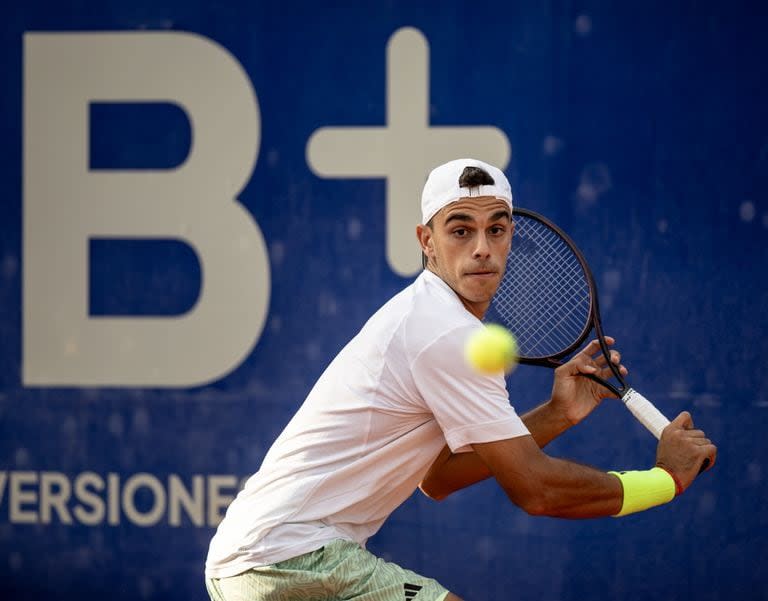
(492, 349)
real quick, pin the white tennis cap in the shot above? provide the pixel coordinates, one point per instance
(442, 187)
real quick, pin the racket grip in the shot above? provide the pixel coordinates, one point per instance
(645, 412)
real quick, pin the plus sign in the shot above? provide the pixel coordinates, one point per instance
(405, 149)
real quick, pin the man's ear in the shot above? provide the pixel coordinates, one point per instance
(424, 235)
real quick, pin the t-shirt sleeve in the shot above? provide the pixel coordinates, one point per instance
(469, 407)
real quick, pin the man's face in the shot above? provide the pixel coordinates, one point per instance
(468, 247)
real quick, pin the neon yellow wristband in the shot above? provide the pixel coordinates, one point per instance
(645, 489)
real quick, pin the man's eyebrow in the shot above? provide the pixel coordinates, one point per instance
(459, 217)
(500, 214)
(464, 217)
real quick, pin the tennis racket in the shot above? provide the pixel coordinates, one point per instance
(548, 300)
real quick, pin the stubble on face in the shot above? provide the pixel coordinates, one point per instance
(470, 243)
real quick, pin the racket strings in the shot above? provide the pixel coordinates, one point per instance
(544, 298)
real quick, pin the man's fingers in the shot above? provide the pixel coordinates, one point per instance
(585, 365)
(591, 360)
(712, 456)
(698, 441)
(580, 363)
(709, 453)
(594, 345)
(606, 373)
(683, 421)
(595, 352)
(591, 348)
(690, 433)
(615, 358)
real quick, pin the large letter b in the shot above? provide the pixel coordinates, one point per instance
(65, 205)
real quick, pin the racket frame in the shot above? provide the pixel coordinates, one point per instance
(593, 319)
(643, 410)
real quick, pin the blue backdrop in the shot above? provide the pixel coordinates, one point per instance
(641, 130)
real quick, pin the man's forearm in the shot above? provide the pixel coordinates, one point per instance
(545, 424)
(544, 485)
(451, 472)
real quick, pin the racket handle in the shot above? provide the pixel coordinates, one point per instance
(645, 412)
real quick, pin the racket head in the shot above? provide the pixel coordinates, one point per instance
(547, 297)
(548, 300)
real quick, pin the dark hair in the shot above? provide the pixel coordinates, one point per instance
(471, 177)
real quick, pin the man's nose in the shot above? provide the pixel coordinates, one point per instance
(482, 247)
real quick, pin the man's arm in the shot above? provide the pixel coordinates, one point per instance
(544, 485)
(573, 398)
(453, 471)
(536, 482)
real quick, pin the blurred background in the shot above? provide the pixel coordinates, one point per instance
(203, 201)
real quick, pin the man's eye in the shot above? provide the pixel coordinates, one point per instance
(460, 232)
(497, 229)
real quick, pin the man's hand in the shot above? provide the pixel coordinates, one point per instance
(575, 396)
(682, 450)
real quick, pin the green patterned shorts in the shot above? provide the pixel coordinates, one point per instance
(340, 570)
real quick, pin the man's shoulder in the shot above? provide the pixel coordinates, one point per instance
(436, 311)
(419, 314)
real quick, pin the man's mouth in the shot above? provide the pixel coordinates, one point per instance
(482, 273)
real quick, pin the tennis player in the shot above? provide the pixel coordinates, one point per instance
(399, 409)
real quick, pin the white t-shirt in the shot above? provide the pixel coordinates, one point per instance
(367, 433)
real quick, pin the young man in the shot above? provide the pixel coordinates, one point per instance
(398, 408)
